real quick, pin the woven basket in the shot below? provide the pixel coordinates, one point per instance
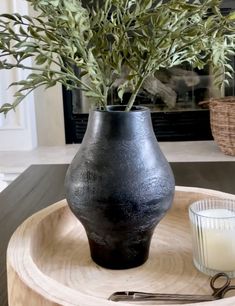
(222, 120)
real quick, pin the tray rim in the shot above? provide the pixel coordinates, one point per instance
(70, 296)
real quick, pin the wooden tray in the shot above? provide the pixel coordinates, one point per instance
(49, 264)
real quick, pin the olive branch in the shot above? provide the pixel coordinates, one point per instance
(101, 39)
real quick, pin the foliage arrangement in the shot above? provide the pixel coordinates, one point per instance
(101, 38)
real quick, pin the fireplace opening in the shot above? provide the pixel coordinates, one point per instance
(173, 97)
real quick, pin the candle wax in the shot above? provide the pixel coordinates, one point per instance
(217, 235)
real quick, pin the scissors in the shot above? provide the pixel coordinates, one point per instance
(218, 293)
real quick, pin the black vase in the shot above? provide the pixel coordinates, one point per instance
(119, 186)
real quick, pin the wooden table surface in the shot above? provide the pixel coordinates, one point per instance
(42, 185)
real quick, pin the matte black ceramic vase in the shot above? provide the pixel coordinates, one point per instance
(119, 186)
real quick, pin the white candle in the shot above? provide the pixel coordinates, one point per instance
(215, 239)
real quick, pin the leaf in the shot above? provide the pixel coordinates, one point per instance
(55, 2)
(51, 36)
(26, 44)
(92, 94)
(51, 84)
(231, 16)
(28, 18)
(22, 31)
(23, 82)
(3, 64)
(5, 108)
(18, 94)
(122, 89)
(25, 55)
(9, 16)
(70, 6)
(148, 5)
(18, 16)
(229, 67)
(32, 76)
(33, 32)
(83, 73)
(17, 101)
(41, 59)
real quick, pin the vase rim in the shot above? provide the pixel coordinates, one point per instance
(121, 109)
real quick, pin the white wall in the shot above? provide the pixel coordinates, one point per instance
(49, 113)
(49, 116)
(18, 129)
(39, 118)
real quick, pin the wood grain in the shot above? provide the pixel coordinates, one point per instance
(35, 189)
(48, 260)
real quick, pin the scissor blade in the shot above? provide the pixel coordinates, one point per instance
(144, 296)
(173, 297)
(122, 296)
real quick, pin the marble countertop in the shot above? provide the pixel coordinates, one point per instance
(187, 151)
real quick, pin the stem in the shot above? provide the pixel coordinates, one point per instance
(134, 94)
(103, 102)
(105, 96)
(54, 71)
(13, 106)
(39, 28)
(139, 84)
(9, 66)
(4, 55)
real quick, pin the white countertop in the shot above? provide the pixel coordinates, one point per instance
(187, 151)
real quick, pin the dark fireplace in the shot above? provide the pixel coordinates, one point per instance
(173, 96)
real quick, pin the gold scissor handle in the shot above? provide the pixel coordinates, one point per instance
(221, 290)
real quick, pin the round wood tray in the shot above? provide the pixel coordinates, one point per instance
(49, 263)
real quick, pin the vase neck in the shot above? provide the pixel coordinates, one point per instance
(119, 124)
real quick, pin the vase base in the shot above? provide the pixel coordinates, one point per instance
(119, 258)
(119, 265)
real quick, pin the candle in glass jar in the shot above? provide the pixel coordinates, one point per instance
(214, 240)
(218, 239)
